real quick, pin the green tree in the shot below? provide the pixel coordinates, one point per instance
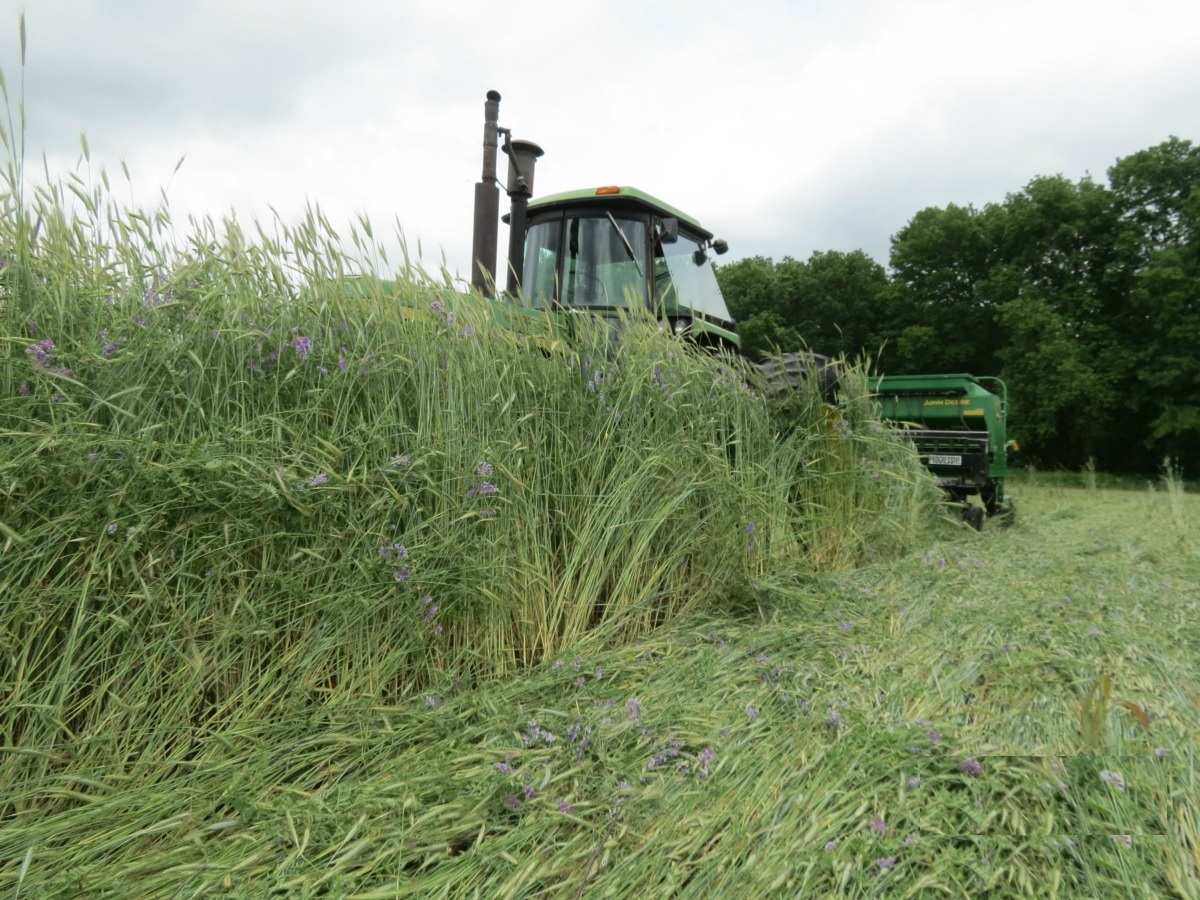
(829, 303)
(1062, 279)
(1158, 197)
(834, 301)
(942, 316)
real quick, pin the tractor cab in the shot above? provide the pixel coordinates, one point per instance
(614, 249)
(607, 251)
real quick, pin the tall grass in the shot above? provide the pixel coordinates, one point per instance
(244, 480)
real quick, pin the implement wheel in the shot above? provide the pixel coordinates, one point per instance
(973, 516)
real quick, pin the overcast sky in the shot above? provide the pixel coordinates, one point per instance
(785, 127)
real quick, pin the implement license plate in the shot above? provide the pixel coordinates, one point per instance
(940, 460)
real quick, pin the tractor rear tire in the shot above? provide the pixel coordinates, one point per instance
(789, 372)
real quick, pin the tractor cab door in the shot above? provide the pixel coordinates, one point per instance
(591, 259)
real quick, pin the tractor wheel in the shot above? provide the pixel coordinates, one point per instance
(788, 372)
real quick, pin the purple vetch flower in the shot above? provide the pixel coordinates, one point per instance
(401, 575)
(487, 512)
(1113, 778)
(534, 733)
(565, 807)
(970, 766)
(830, 846)
(341, 364)
(878, 825)
(670, 751)
(633, 707)
(40, 352)
(886, 862)
(1161, 752)
(1125, 839)
(529, 792)
(430, 611)
(109, 350)
(751, 712)
(580, 681)
(154, 297)
(440, 309)
(512, 802)
(316, 480)
(302, 345)
(578, 733)
(484, 468)
(394, 549)
(502, 768)
(111, 528)
(913, 783)
(705, 757)
(934, 735)
(398, 461)
(432, 702)
(139, 320)
(481, 489)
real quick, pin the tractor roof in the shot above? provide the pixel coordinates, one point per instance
(614, 196)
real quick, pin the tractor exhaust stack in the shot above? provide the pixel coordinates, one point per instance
(522, 158)
(487, 204)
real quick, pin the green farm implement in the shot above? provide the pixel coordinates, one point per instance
(959, 426)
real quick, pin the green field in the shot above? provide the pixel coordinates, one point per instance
(315, 585)
(903, 729)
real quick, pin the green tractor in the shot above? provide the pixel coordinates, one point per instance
(609, 251)
(959, 426)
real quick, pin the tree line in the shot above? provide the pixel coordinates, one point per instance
(1084, 297)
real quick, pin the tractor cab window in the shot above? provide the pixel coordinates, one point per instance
(604, 261)
(540, 280)
(593, 260)
(685, 281)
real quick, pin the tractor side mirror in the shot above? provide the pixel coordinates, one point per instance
(668, 230)
(722, 247)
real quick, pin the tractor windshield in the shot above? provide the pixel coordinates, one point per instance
(684, 279)
(602, 260)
